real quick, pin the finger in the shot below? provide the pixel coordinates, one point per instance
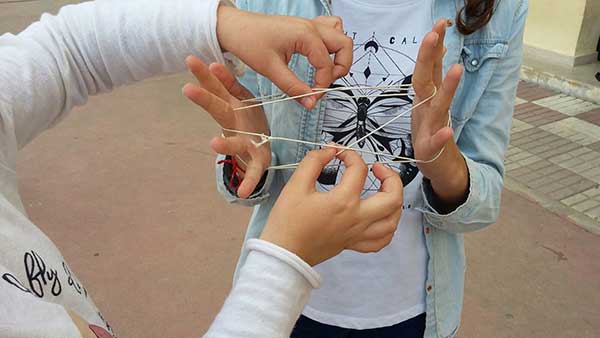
(220, 110)
(355, 174)
(341, 45)
(206, 78)
(305, 176)
(230, 82)
(371, 245)
(289, 83)
(441, 105)
(389, 180)
(440, 29)
(320, 59)
(423, 75)
(234, 145)
(379, 229)
(445, 94)
(313, 47)
(388, 201)
(252, 176)
(439, 140)
(331, 21)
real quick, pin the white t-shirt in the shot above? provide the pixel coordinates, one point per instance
(385, 288)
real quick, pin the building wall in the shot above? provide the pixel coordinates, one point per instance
(563, 31)
(590, 29)
(554, 25)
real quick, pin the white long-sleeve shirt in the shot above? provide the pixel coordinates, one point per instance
(45, 71)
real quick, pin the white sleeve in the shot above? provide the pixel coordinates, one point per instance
(22, 315)
(90, 48)
(269, 296)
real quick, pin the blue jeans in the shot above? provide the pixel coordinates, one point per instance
(308, 328)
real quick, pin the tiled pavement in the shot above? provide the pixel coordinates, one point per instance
(554, 153)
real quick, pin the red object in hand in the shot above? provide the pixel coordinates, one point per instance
(235, 170)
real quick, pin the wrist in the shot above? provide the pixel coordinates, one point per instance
(287, 244)
(450, 179)
(226, 26)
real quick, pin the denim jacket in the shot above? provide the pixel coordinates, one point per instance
(481, 118)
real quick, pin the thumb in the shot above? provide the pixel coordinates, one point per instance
(305, 176)
(284, 78)
(439, 139)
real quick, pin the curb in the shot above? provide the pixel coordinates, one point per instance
(576, 218)
(560, 84)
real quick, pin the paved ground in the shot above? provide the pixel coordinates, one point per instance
(554, 154)
(124, 186)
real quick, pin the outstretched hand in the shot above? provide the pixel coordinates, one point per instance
(317, 226)
(430, 131)
(218, 93)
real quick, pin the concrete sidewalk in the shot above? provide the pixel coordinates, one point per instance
(125, 187)
(554, 153)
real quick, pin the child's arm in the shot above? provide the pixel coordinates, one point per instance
(462, 188)
(91, 48)
(305, 228)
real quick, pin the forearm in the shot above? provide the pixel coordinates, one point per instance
(90, 48)
(482, 143)
(266, 301)
(138, 39)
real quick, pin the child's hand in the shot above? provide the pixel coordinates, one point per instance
(430, 131)
(219, 95)
(266, 43)
(430, 120)
(317, 226)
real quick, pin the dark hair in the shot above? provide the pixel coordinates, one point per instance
(474, 15)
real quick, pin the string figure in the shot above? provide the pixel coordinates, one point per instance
(356, 117)
(348, 118)
(386, 158)
(368, 111)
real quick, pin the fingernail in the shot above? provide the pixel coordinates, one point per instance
(308, 102)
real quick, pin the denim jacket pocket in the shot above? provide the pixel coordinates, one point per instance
(479, 58)
(479, 55)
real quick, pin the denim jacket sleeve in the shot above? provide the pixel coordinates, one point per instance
(250, 81)
(483, 142)
(257, 197)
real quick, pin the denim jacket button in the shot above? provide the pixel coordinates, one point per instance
(427, 230)
(474, 62)
(429, 288)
